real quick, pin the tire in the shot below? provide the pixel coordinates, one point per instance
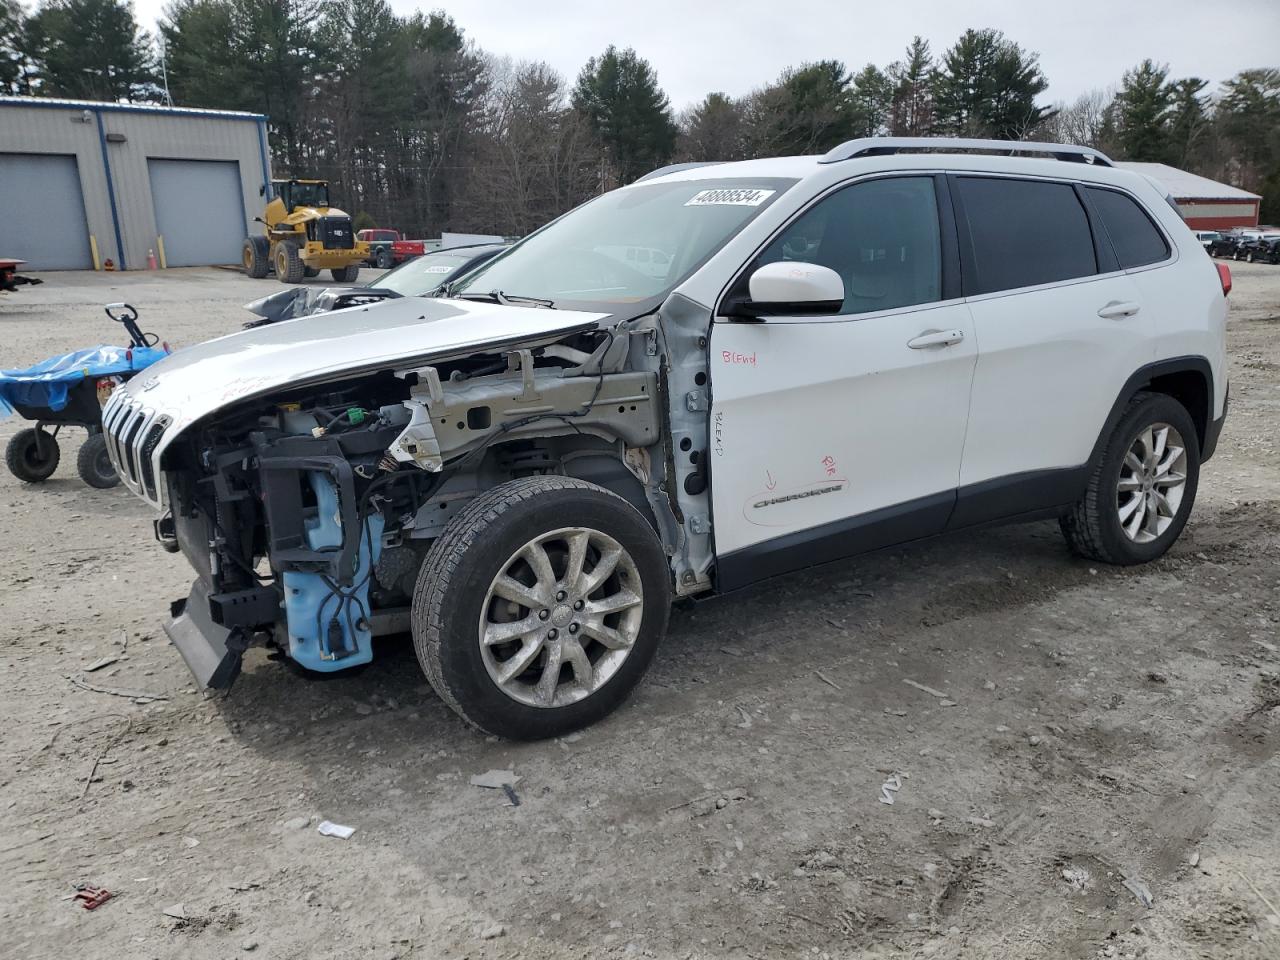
(1248, 257)
(455, 592)
(384, 260)
(346, 274)
(256, 257)
(310, 272)
(288, 264)
(1096, 526)
(32, 455)
(94, 465)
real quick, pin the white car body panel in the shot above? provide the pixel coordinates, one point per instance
(1049, 370)
(394, 334)
(817, 420)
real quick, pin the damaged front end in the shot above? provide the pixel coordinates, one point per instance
(307, 513)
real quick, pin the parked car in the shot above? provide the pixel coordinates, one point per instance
(1225, 245)
(1207, 237)
(525, 473)
(425, 276)
(1264, 248)
(389, 247)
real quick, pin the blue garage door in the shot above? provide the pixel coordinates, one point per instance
(199, 210)
(42, 212)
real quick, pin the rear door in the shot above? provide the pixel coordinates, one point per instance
(838, 434)
(1060, 329)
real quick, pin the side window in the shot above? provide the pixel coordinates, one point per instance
(881, 236)
(1135, 238)
(1025, 232)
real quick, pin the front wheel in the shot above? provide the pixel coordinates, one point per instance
(1142, 487)
(32, 455)
(289, 265)
(539, 608)
(1249, 257)
(255, 256)
(94, 465)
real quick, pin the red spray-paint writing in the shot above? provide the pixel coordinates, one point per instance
(743, 359)
(829, 464)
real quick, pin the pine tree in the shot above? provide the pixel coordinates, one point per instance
(1188, 120)
(714, 129)
(911, 111)
(1142, 113)
(809, 110)
(90, 49)
(870, 98)
(15, 67)
(987, 86)
(619, 95)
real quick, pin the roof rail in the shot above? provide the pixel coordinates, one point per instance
(885, 146)
(676, 168)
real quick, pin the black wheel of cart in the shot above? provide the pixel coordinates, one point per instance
(94, 465)
(32, 455)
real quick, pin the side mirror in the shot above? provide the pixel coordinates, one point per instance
(790, 288)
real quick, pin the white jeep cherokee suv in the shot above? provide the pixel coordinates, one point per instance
(826, 356)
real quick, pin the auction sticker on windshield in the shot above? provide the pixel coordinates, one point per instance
(729, 197)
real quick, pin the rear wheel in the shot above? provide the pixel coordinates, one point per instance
(32, 455)
(540, 606)
(1142, 488)
(310, 272)
(1249, 257)
(256, 257)
(288, 263)
(94, 465)
(346, 274)
(385, 259)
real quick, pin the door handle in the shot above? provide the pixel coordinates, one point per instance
(1119, 310)
(936, 338)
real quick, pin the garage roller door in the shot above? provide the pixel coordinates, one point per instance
(42, 212)
(199, 210)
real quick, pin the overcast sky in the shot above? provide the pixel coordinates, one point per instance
(698, 46)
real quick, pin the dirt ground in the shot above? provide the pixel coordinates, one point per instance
(1098, 725)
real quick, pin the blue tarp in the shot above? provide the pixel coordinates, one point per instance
(46, 384)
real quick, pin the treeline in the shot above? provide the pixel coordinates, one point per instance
(421, 129)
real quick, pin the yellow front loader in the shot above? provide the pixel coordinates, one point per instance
(304, 235)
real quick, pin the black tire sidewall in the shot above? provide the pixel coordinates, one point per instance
(88, 462)
(461, 663)
(1154, 408)
(21, 462)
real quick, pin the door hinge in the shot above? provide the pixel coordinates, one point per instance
(696, 401)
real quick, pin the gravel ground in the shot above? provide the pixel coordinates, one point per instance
(1096, 725)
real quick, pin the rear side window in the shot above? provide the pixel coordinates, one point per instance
(1135, 238)
(1025, 232)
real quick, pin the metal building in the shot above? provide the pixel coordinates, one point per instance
(1205, 204)
(83, 183)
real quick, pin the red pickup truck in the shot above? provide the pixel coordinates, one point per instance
(388, 247)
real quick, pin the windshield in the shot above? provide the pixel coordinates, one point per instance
(295, 194)
(626, 247)
(424, 274)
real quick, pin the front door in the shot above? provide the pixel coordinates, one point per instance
(838, 434)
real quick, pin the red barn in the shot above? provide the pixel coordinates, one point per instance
(1205, 204)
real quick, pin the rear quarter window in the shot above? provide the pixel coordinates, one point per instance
(1136, 240)
(1024, 233)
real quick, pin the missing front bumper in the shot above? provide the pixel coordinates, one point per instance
(212, 653)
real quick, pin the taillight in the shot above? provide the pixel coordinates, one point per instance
(1224, 274)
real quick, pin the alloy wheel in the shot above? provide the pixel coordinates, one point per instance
(1152, 482)
(561, 617)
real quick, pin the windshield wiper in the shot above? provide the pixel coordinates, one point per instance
(507, 299)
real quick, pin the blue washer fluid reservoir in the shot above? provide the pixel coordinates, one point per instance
(329, 632)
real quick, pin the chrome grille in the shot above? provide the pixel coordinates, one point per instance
(133, 433)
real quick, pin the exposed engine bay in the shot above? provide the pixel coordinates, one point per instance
(307, 514)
